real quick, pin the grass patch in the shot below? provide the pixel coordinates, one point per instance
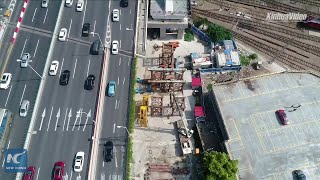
(188, 36)
(131, 118)
(244, 60)
(209, 87)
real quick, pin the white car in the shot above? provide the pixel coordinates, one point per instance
(5, 80)
(24, 107)
(78, 162)
(69, 3)
(54, 68)
(44, 3)
(80, 5)
(115, 47)
(63, 34)
(115, 15)
(25, 59)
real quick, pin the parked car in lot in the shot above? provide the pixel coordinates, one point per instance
(29, 174)
(64, 78)
(299, 175)
(24, 107)
(25, 59)
(108, 151)
(63, 34)
(58, 171)
(54, 68)
(281, 113)
(78, 161)
(5, 80)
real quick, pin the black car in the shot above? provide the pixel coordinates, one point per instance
(64, 78)
(89, 83)
(299, 175)
(108, 151)
(86, 29)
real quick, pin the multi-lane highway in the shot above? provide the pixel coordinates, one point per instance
(115, 108)
(25, 81)
(64, 120)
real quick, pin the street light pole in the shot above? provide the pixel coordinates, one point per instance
(124, 128)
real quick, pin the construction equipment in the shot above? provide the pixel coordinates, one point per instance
(183, 130)
(144, 111)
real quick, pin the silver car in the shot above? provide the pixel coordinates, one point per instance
(44, 3)
(24, 108)
(25, 60)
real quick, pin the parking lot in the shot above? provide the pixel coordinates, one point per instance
(265, 148)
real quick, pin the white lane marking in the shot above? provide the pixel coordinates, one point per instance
(120, 44)
(38, 173)
(50, 118)
(75, 123)
(119, 61)
(5, 158)
(79, 177)
(80, 120)
(118, 104)
(42, 117)
(120, 12)
(61, 66)
(71, 175)
(74, 69)
(64, 120)
(115, 105)
(88, 116)
(118, 80)
(115, 157)
(129, 62)
(114, 128)
(102, 165)
(45, 17)
(69, 28)
(57, 116)
(69, 117)
(130, 11)
(34, 14)
(8, 96)
(94, 27)
(124, 80)
(120, 27)
(24, 45)
(84, 13)
(103, 176)
(35, 51)
(88, 68)
(22, 94)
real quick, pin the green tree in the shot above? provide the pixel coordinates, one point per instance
(253, 56)
(218, 166)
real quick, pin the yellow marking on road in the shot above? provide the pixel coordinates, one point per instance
(239, 137)
(4, 66)
(260, 140)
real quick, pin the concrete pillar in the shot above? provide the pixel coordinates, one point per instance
(162, 33)
(180, 34)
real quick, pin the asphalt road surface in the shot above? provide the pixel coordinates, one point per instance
(25, 82)
(116, 108)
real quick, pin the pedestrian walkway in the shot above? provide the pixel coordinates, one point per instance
(141, 27)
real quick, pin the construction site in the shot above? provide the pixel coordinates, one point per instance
(165, 117)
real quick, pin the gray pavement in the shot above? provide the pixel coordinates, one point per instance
(265, 148)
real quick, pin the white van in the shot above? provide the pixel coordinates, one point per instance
(69, 3)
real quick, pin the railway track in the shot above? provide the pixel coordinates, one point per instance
(269, 26)
(273, 6)
(315, 3)
(293, 42)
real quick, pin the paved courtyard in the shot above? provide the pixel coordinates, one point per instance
(265, 148)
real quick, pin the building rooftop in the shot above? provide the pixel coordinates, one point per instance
(168, 9)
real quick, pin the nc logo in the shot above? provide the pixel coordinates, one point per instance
(16, 160)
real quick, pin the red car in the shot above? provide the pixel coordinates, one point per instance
(58, 170)
(29, 174)
(281, 113)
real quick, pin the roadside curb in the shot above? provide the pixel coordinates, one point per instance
(41, 87)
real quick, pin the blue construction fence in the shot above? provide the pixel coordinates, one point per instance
(215, 70)
(201, 34)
